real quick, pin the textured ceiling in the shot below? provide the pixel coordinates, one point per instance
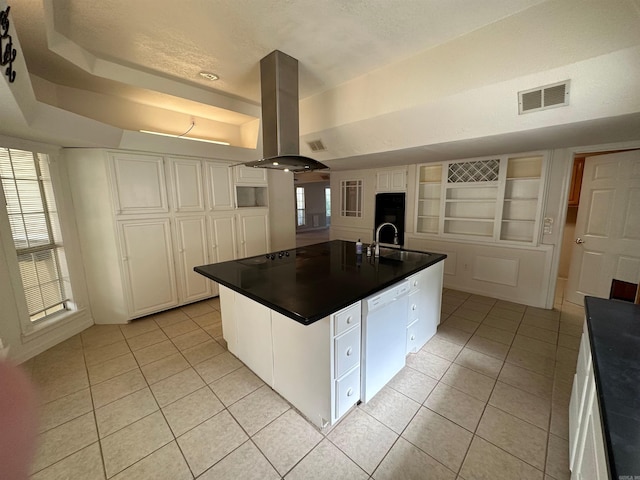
(334, 41)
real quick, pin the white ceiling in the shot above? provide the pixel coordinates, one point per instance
(134, 65)
(334, 41)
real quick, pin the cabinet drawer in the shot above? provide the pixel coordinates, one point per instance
(347, 318)
(347, 392)
(412, 338)
(415, 282)
(414, 308)
(347, 351)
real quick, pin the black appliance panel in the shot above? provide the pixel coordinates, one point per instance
(390, 207)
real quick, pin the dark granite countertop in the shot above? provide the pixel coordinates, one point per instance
(614, 333)
(315, 281)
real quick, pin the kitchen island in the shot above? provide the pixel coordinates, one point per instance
(296, 318)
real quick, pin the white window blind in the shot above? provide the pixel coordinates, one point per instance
(31, 207)
(300, 206)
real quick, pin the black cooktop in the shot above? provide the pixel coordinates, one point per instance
(309, 283)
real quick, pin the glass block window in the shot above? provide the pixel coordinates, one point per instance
(31, 207)
(475, 171)
(351, 193)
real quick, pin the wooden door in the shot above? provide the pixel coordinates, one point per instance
(607, 243)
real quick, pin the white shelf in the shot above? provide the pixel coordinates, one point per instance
(470, 200)
(517, 179)
(471, 219)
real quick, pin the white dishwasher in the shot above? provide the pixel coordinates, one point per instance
(384, 338)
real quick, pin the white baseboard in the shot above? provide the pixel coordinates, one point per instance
(58, 334)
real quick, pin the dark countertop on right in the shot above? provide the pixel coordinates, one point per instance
(614, 333)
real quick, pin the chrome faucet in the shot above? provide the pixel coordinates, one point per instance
(377, 242)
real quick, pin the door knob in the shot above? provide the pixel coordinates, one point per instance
(579, 240)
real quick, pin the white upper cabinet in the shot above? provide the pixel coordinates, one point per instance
(250, 175)
(391, 180)
(139, 185)
(253, 230)
(218, 181)
(186, 180)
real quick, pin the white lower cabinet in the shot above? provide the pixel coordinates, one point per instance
(424, 306)
(192, 250)
(587, 458)
(315, 370)
(148, 265)
(222, 238)
(315, 367)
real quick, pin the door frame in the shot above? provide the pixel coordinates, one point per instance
(570, 154)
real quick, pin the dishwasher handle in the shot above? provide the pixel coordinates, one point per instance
(388, 296)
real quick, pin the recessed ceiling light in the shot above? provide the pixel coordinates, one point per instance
(209, 76)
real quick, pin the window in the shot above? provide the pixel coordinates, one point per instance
(33, 217)
(327, 201)
(300, 205)
(351, 191)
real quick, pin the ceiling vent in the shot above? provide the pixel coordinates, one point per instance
(316, 146)
(542, 98)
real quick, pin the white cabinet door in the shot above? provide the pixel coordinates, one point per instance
(148, 267)
(254, 233)
(391, 181)
(222, 238)
(250, 175)
(191, 236)
(138, 184)
(186, 180)
(218, 178)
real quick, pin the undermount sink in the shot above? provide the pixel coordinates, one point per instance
(401, 255)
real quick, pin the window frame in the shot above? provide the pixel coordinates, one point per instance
(53, 245)
(345, 187)
(77, 312)
(301, 220)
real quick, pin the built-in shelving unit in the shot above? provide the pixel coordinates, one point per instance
(429, 194)
(470, 198)
(521, 194)
(495, 199)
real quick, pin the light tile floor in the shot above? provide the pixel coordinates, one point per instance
(161, 398)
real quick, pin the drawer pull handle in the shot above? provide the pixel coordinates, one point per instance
(413, 337)
(349, 392)
(415, 283)
(414, 306)
(349, 351)
(349, 319)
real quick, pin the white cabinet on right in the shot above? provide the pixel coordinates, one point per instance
(253, 232)
(424, 306)
(587, 458)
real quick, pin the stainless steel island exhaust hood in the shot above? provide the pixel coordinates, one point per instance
(280, 117)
